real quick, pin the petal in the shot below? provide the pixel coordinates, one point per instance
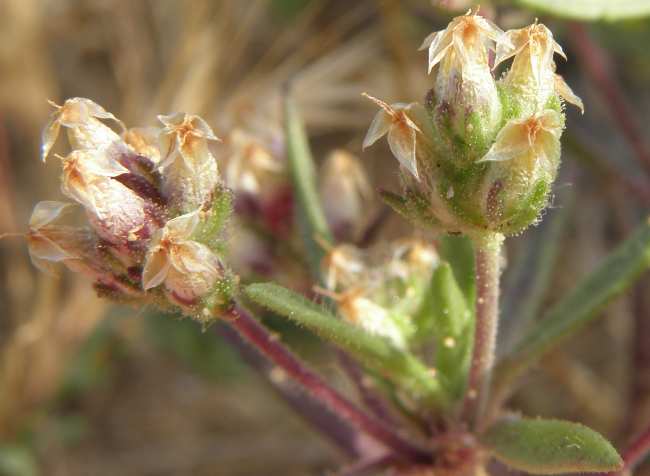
(566, 93)
(156, 268)
(46, 212)
(173, 119)
(438, 50)
(100, 164)
(203, 128)
(182, 226)
(144, 141)
(168, 152)
(99, 112)
(402, 144)
(191, 257)
(511, 142)
(49, 135)
(510, 44)
(44, 248)
(428, 40)
(378, 128)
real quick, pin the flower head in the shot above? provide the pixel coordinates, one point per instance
(396, 121)
(345, 193)
(187, 268)
(85, 131)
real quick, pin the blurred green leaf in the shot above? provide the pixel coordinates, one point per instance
(530, 276)
(208, 356)
(592, 10)
(615, 274)
(377, 353)
(17, 461)
(458, 251)
(550, 447)
(446, 316)
(413, 209)
(311, 218)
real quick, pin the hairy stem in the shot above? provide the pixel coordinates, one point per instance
(488, 255)
(336, 430)
(255, 333)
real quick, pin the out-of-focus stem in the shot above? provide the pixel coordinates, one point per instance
(336, 430)
(635, 453)
(595, 61)
(488, 255)
(255, 333)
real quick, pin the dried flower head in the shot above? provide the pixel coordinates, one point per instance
(345, 193)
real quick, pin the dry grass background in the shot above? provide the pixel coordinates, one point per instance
(84, 387)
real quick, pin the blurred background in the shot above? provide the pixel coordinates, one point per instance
(92, 388)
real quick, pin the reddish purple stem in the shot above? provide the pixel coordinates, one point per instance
(636, 452)
(255, 333)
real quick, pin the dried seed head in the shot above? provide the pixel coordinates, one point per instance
(345, 193)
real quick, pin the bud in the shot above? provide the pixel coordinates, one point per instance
(189, 169)
(345, 193)
(464, 101)
(188, 269)
(531, 82)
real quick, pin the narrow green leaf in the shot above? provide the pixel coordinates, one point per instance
(592, 10)
(458, 251)
(446, 316)
(311, 218)
(550, 447)
(614, 275)
(377, 353)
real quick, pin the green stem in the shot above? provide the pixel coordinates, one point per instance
(488, 255)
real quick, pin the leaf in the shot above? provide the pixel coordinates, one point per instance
(607, 10)
(313, 225)
(377, 353)
(446, 316)
(458, 251)
(615, 274)
(412, 208)
(550, 447)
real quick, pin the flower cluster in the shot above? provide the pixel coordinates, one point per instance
(481, 153)
(154, 203)
(381, 292)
